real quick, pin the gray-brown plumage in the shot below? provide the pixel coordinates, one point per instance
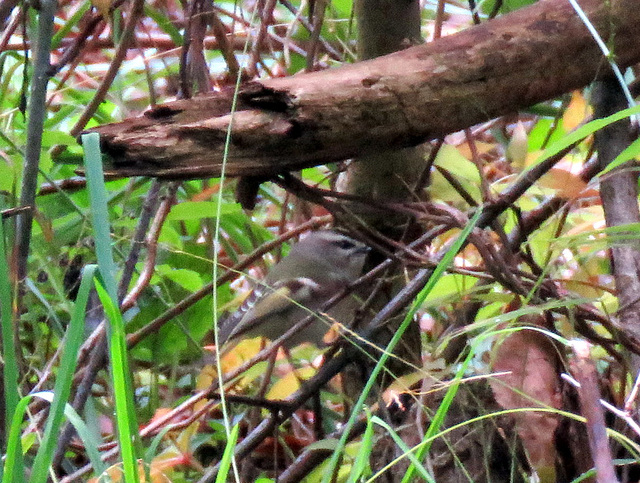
(316, 268)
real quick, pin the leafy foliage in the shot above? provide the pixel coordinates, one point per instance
(541, 265)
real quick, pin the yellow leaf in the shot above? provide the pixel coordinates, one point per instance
(103, 7)
(290, 383)
(241, 353)
(577, 111)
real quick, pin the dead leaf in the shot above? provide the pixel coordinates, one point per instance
(533, 381)
(568, 185)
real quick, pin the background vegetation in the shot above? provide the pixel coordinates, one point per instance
(509, 275)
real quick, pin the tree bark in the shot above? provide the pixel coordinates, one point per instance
(389, 175)
(395, 101)
(619, 195)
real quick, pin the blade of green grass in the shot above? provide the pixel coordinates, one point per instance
(128, 435)
(605, 51)
(90, 439)
(64, 378)
(405, 449)
(439, 416)
(216, 237)
(581, 133)
(99, 211)
(495, 414)
(361, 466)
(10, 371)
(56, 325)
(14, 446)
(122, 391)
(629, 153)
(69, 24)
(227, 457)
(164, 22)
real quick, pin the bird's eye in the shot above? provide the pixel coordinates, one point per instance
(345, 244)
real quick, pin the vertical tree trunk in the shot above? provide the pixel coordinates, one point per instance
(619, 195)
(386, 26)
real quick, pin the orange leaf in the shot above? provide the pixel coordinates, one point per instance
(567, 184)
(577, 111)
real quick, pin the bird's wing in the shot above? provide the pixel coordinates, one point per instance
(269, 302)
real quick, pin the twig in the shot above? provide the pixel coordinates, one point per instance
(266, 18)
(587, 376)
(149, 206)
(318, 20)
(333, 53)
(225, 46)
(152, 249)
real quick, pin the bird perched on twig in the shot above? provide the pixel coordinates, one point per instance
(316, 268)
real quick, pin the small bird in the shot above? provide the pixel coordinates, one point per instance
(316, 268)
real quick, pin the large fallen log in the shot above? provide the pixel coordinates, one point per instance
(398, 100)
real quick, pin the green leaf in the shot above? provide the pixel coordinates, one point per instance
(630, 152)
(195, 210)
(464, 171)
(507, 5)
(326, 444)
(227, 457)
(164, 22)
(123, 387)
(450, 285)
(187, 279)
(52, 138)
